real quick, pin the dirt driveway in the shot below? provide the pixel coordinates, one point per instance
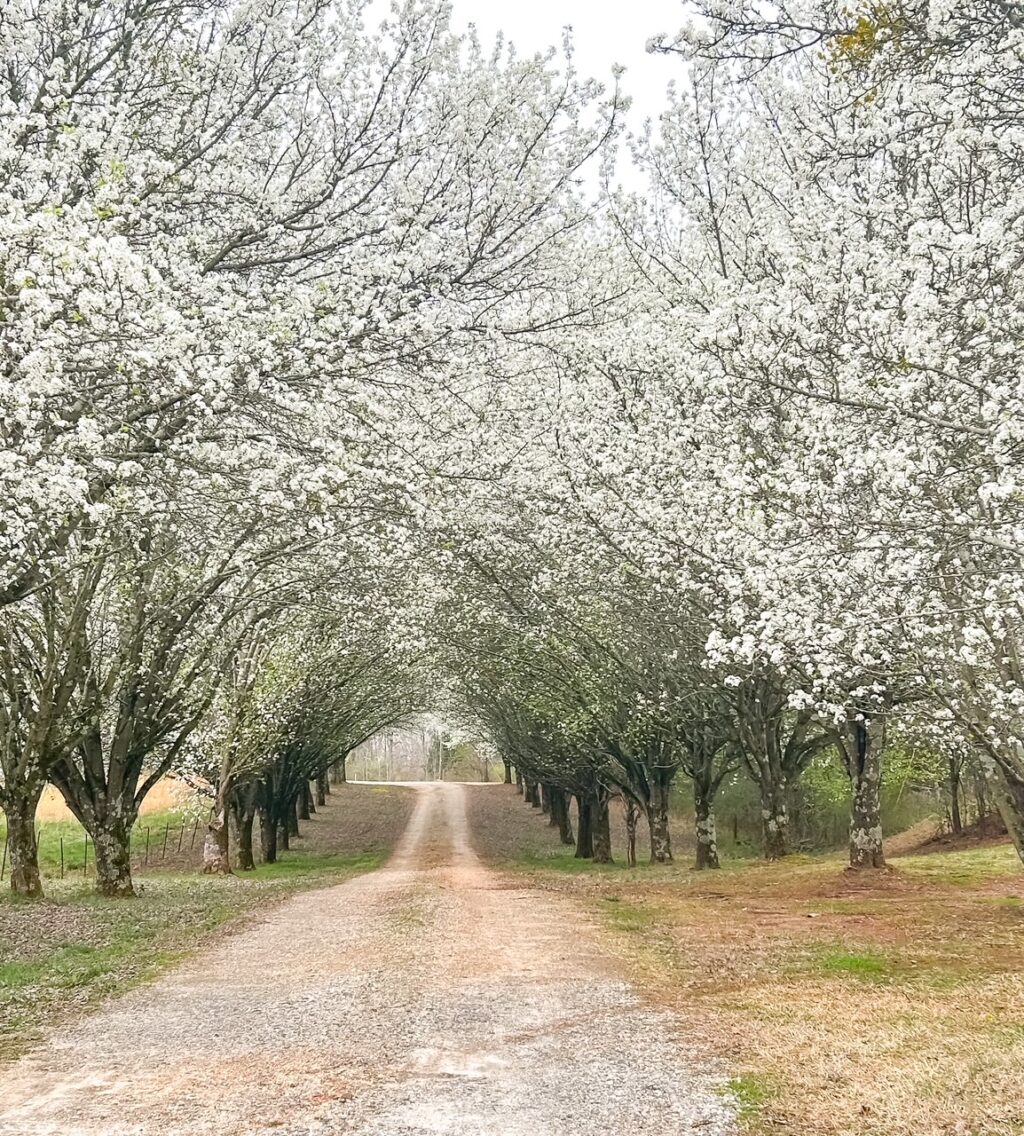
(426, 997)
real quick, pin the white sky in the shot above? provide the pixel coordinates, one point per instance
(605, 32)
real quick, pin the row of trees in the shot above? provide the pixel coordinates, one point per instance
(245, 247)
(769, 499)
(320, 373)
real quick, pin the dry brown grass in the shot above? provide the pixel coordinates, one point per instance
(875, 1004)
(166, 794)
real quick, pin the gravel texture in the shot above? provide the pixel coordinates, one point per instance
(427, 997)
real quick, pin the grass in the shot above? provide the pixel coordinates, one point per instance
(750, 1093)
(970, 867)
(564, 860)
(67, 838)
(77, 949)
(74, 949)
(844, 1003)
(627, 916)
(860, 964)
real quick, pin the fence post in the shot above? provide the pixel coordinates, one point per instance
(163, 851)
(62, 857)
(146, 861)
(3, 863)
(85, 857)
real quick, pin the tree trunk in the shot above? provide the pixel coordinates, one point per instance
(544, 796)
(862, 741)
(322, 789)
(301, 805)
(601, 828)
(342, 771)
(774, 815)
(955, 819)
(243, 854)
(113, 858)
(215, 846)
(704, 827)
(1005, 778)
(310, 801)
(508, 771)
(20, 809)
(657, 817)
(981, 794)
(268, 835)
(632, 812)
(560, 808)
(292, 817)
(101, 790)
(584, 829)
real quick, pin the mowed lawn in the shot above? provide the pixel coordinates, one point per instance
(70, 951)
(884, 1003)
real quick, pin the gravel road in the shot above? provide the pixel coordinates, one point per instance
(427, 997)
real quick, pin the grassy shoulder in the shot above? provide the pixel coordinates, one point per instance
(71, 951)
(844, 1003)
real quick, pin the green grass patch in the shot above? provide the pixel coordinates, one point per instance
(751, 1093)
(627, 916)
(565, 861)
(64, 841)
(967, 867)
(298, 864)
(860, 964)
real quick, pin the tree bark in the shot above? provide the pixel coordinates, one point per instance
(113, 858)
(981, 788)
(862, 741)
(704, 826)
(584, 828)
(322, 789)
(302, 805)
(560, 818)
(508, 771)
(1005, 779)
(22, 851)
(215, 846)
(774, 816)
(268, 835)
(632, 812)
(292, 817)
(543, 795)
(657, 817)
(243, 843)
(601, 828)
(955, 819)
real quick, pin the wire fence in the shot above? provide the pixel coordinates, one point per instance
(66, 855)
